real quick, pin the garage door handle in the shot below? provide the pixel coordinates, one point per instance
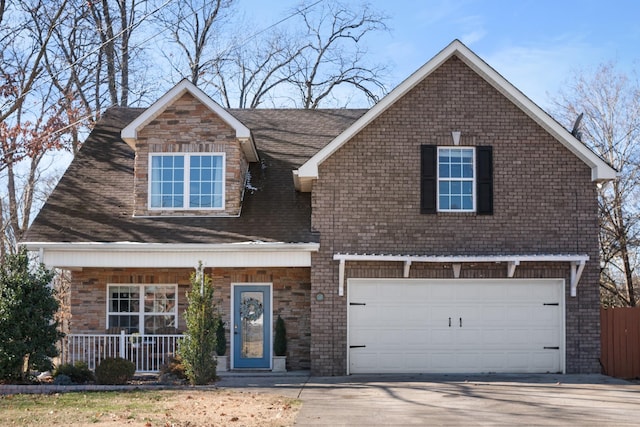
(357, 346)
(461, 322)
(449, 321)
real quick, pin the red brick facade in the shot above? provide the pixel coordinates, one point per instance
(367, 200)
(291, 296)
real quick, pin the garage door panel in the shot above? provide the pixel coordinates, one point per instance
(441, 337)
(505, 325)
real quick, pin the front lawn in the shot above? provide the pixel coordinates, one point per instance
(149, 408)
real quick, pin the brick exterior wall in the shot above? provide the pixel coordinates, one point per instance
(188, 126)
(291, 299)
(367, 200)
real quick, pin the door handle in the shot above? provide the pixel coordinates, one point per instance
(461, 322)
(449, 321)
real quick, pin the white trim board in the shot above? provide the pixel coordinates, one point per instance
(159, 255)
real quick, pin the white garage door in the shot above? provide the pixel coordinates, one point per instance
(455, 326)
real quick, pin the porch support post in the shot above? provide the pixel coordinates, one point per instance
(576, 273)
(123, 341)
(456, 270)
(341, 278)
(511, 268)
(407, 267)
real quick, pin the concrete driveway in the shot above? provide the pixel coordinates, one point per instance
(454, 399)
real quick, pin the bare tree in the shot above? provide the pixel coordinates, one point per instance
(192, 27)
(72, 65)
(252, 72)
(115, 28)
(30, 120)
(33, 53)
(305, 64)
(334, 55)
(610, 102)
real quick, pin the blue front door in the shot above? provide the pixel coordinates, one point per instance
(252, 326)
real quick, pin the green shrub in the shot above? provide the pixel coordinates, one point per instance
(280, 339)
(115, 371)
(173, 371)
(28, 332)
(221, 340)
(198, 347)
(79, 372)
(62, 379)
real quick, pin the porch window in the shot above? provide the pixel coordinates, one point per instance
(186, 181)
(145, 309)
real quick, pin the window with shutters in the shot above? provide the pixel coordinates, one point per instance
(456, 179)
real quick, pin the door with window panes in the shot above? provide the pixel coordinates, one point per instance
(252, 326)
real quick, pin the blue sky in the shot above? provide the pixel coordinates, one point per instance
(535, 44)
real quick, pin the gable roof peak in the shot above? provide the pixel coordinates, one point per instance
(130, 133)
(600, 170)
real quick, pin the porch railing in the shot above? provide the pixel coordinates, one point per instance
(148, 352)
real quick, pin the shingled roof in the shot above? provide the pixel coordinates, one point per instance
(94, 200)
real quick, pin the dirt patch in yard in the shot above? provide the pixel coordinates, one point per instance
(150, 408)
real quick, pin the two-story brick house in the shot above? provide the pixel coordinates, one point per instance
(450, 228)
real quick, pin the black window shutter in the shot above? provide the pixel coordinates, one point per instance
(484, 182)
(428, 179)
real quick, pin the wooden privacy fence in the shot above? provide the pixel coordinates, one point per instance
(620, 341)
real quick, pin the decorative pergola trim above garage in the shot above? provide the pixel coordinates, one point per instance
(577, 263)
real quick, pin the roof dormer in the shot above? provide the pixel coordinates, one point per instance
(192, 156)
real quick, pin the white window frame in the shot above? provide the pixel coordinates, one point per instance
(472, 180)
(141, 313)
(187, 178)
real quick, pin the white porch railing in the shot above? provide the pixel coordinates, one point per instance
(148, 352)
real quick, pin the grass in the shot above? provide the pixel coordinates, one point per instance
(68, 408)
(148, 408)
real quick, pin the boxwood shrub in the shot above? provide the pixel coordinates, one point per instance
(115, 371)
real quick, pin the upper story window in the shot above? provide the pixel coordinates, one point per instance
(456, 179)
(186, 181)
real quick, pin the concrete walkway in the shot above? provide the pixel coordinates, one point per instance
(361, 400)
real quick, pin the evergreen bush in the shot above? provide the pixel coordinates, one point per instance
(115, 370)
(221, 340)
(78, 373)
(198, 347)
(28, 332)
(280, 339)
